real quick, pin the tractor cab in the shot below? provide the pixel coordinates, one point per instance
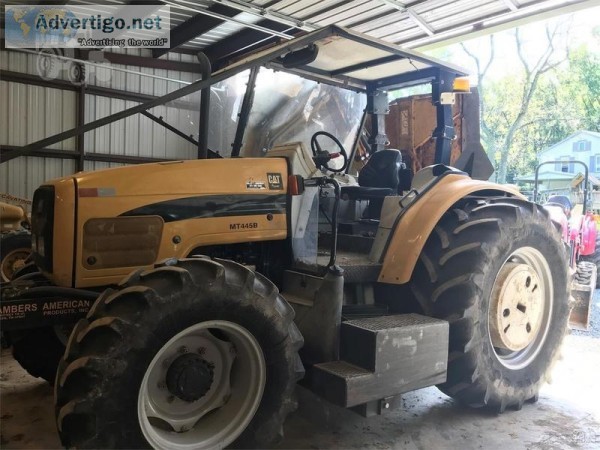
(347, 204)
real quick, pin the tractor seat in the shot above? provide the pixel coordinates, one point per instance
(560, 200)
(377, 179)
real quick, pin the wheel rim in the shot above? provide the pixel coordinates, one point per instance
(520, 308)
(13, 261)
(202, 388)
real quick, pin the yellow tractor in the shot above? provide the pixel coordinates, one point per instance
(211, 287)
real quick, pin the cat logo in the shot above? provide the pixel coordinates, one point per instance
(274, 180)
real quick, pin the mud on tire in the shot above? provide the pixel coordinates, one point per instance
(99, 379)
(453, 281)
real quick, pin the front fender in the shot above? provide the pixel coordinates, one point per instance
(416, 223)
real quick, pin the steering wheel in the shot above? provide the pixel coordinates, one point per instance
(322, 157)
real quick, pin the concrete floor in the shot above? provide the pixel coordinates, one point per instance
(567, 415)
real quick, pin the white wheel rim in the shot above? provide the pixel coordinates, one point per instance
(529, 268)
(219, 416)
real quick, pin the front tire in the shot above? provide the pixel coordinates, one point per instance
(492, 264)
(122, 383)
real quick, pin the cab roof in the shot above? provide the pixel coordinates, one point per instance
(346, 58)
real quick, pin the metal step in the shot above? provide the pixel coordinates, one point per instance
(382, 357)
(358, 268)
(386, 342)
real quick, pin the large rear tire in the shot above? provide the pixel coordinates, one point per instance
(490, 265)
(124, 381)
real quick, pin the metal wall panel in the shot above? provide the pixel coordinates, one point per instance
(138, 135)
(29, 113)
(30, 62)
(21, 176)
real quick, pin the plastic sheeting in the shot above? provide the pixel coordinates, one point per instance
(288, 108)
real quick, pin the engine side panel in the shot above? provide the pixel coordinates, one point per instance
(145, 213)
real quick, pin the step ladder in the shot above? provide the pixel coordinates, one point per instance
(381, 358)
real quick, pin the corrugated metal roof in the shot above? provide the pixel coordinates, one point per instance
(392, 20)
(410, 23)
(222, 31)
(413, 23)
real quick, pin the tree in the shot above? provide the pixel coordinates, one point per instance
(566, 100)
(582, 87)
(501, 118)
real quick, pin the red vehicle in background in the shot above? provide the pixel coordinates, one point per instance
(579, 233)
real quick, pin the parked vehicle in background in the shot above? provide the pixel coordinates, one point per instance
(15, 238)
(579, 232)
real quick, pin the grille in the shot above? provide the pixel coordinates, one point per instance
(42, 227)
(121, 241)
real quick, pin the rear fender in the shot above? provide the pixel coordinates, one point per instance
(416, 222)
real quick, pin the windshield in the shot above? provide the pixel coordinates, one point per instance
(288, 108)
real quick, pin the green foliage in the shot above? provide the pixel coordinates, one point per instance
(536, 88)
(566, 99)
(582, 87)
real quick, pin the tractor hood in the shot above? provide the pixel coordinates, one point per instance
(166, 179)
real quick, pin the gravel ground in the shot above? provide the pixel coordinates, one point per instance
(594, 329)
